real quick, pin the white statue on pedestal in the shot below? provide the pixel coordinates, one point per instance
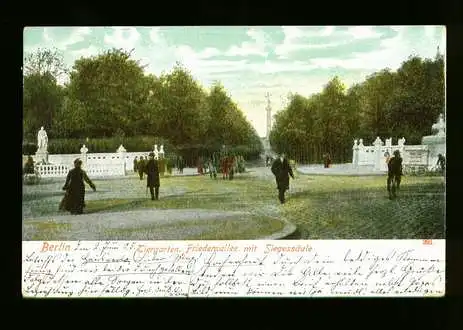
(401, 142)
(42, 140)
(161, 151)
(121, 149)
(440, 126)
(84, 149)
(156, 151)
(389, 142)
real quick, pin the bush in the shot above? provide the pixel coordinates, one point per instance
(29, 148)
(131, 144)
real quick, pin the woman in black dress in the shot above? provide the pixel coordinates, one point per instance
(74, 199)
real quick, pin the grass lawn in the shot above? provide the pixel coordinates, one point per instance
(322, 207)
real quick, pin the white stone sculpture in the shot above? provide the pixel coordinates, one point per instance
(42, 140)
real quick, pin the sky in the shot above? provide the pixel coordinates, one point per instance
(251, 61)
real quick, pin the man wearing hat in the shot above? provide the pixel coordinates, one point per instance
(151, 169)
(394, 172)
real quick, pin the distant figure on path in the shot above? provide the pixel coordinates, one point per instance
(135, 164)
(327, 160)
(152, 176)
(74, 198)
(394, 172)
(441, 162)
(180, 164)
(282, 170)
(141, 167)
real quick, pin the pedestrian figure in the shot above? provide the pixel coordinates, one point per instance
(387, 156)
(394, 174)
(135, 164)
(327, 160)
(180, 164)
(152, 176)
(29, 166)
(441, 162)
(74, 198)
(282, 171)
(141, 167)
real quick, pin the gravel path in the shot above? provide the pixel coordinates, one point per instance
(137, 224)
(338, 169)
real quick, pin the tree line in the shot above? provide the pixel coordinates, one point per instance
(402, 103)
(109, 99)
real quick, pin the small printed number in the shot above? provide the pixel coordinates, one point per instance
(427, 242)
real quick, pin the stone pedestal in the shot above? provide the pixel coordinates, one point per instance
(41, 156)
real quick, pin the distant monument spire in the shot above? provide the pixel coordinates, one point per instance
(269, 115)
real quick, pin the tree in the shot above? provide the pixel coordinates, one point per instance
(44, 61)
(184, 116)
(109, 90)
(42, 100)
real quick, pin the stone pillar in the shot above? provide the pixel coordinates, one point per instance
(360, 152)
(355, 154)
(378, 155)
(121, 151)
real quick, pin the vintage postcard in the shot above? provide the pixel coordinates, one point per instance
(234, 161)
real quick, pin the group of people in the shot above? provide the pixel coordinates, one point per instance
(139, 165)
(74, 186)
(74, 198)
(227, 164)
(152, 168)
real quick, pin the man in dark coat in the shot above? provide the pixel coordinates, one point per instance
(141, 167)
(135, 164)
(441, 163)
(74, 199)
(180, 164)
(152, 176)
(282, 170)
(394, 172)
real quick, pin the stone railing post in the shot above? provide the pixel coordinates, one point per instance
(361, 152)
(355, 154)
(378, 155)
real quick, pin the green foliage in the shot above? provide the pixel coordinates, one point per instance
(131, 144)
(387, 104)
(29, 148)
(110, 100)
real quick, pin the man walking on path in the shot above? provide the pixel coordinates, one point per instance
(282, 170)
(394, 172)
(141, 167)
(152, 176)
